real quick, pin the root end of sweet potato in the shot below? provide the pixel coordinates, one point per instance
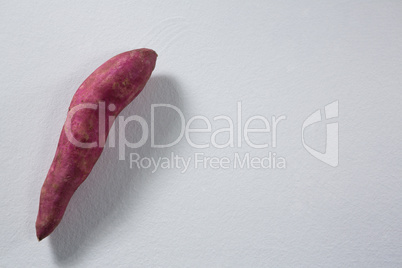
(44, 231)
(40, 235)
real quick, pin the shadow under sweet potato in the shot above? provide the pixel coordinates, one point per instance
(104, 199)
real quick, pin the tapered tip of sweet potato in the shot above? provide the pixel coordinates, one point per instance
(44, 230)
(146, 52)
(40, 233)
(39, 236)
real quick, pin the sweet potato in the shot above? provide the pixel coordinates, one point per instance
(115, 84)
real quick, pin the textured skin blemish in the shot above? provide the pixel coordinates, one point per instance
(126, 82)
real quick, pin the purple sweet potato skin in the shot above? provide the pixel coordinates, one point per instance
(118, 81)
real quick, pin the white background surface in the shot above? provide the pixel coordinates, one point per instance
(276, 58)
